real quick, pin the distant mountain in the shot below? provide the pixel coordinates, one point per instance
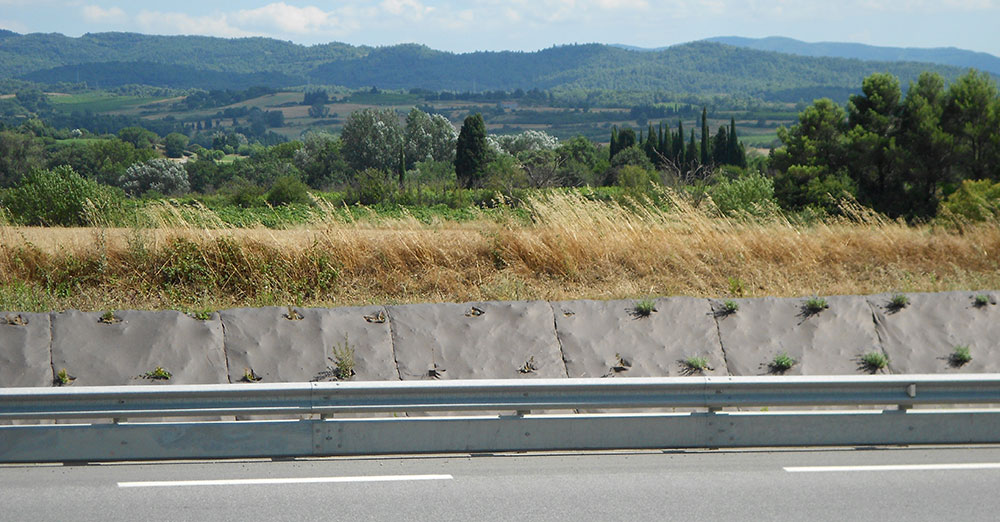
(941, 55)
(704, 68)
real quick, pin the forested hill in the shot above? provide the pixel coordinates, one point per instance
(112, 59)
(941, 55)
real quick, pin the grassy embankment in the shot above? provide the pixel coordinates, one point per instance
(570, 248)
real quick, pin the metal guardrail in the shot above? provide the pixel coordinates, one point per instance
(299, 435)
(714, 393)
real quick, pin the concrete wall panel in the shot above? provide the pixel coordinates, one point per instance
(279, 349)
(493, 340)
(920, 337)
(100, 354)
(829, 342)
(24, 350)
(594, 334)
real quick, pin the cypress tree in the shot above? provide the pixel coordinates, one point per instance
(692, 151)
(679, 144)
(471, 152)
(733, 158)
(613, 147)
(705, 150)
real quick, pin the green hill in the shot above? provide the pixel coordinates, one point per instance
(113, 59)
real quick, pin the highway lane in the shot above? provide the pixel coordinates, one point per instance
(867, 484)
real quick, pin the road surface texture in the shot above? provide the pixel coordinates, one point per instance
(881, 484)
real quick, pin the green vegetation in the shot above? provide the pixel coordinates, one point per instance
(157, 374)
(782, 363)
(960, 356)
(343, 361)
(695, 364)
(63, 378)
(981, 300)
(898, 302)
(250, 376)
(202, 315)
(644, 308)
(814, 305)
(109, 317)
(873, 362)
(729, 307)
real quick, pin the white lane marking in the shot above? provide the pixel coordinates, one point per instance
(894, 467)
(297, 480)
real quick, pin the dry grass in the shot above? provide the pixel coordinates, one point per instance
(574, 248)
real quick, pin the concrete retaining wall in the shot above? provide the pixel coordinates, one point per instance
(502, 340)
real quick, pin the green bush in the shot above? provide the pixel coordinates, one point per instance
(873, 362)
(61, 197)
(782, 363)
(974, 201)
(960, 356)
(287, 190)
(751, 193)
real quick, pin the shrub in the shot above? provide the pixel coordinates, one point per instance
(981, 300)
(343, 361)
(872, 362)
(974, 201)
(751, 193)
(729, 307)
(61, 197)
(63, 378)
(287, 190)
(157, 175)
(960, 356)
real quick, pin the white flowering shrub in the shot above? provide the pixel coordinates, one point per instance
(158, 175)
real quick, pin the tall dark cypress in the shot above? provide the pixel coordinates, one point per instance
(692, 151)
(706, 157)
(679, 144)
(613, 147)
(733, 158)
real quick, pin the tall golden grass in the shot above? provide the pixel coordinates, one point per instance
(573, 248)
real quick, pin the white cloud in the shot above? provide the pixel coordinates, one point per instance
(285, 18)
(155, 22)
(96, 13)
(406, 7)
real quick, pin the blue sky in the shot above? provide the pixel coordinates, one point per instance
(470, 25)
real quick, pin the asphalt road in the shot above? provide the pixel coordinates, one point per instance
(910, 484)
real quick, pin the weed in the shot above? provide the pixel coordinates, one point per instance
(736, 287)
(644, 308)
(474, 312)
(814, 305)
(63, 378)
(109, 318)
(293, 314)
(158, 374)
(960, 356)
(898, 302)
(873, 362)
(202, 315)
(694, 364)
(343, 361)
(621, 364)
(729, 307)
(981, 301)
(529, 366)
(782, 363)
(250, 376)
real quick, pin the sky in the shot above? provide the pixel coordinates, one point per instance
(526, 25)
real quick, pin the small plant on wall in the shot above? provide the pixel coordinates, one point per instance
(960, 356)
(814, 305)
(63, 378)
(897, 302)
(158, 374)
(781, 363)
(694, 365)
(109, 317)
(874, 362)
(644, 308)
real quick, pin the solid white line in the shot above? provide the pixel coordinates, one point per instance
(894, 467)
(297, 480)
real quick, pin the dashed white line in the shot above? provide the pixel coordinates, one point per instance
(294, 480)
(894, 467)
